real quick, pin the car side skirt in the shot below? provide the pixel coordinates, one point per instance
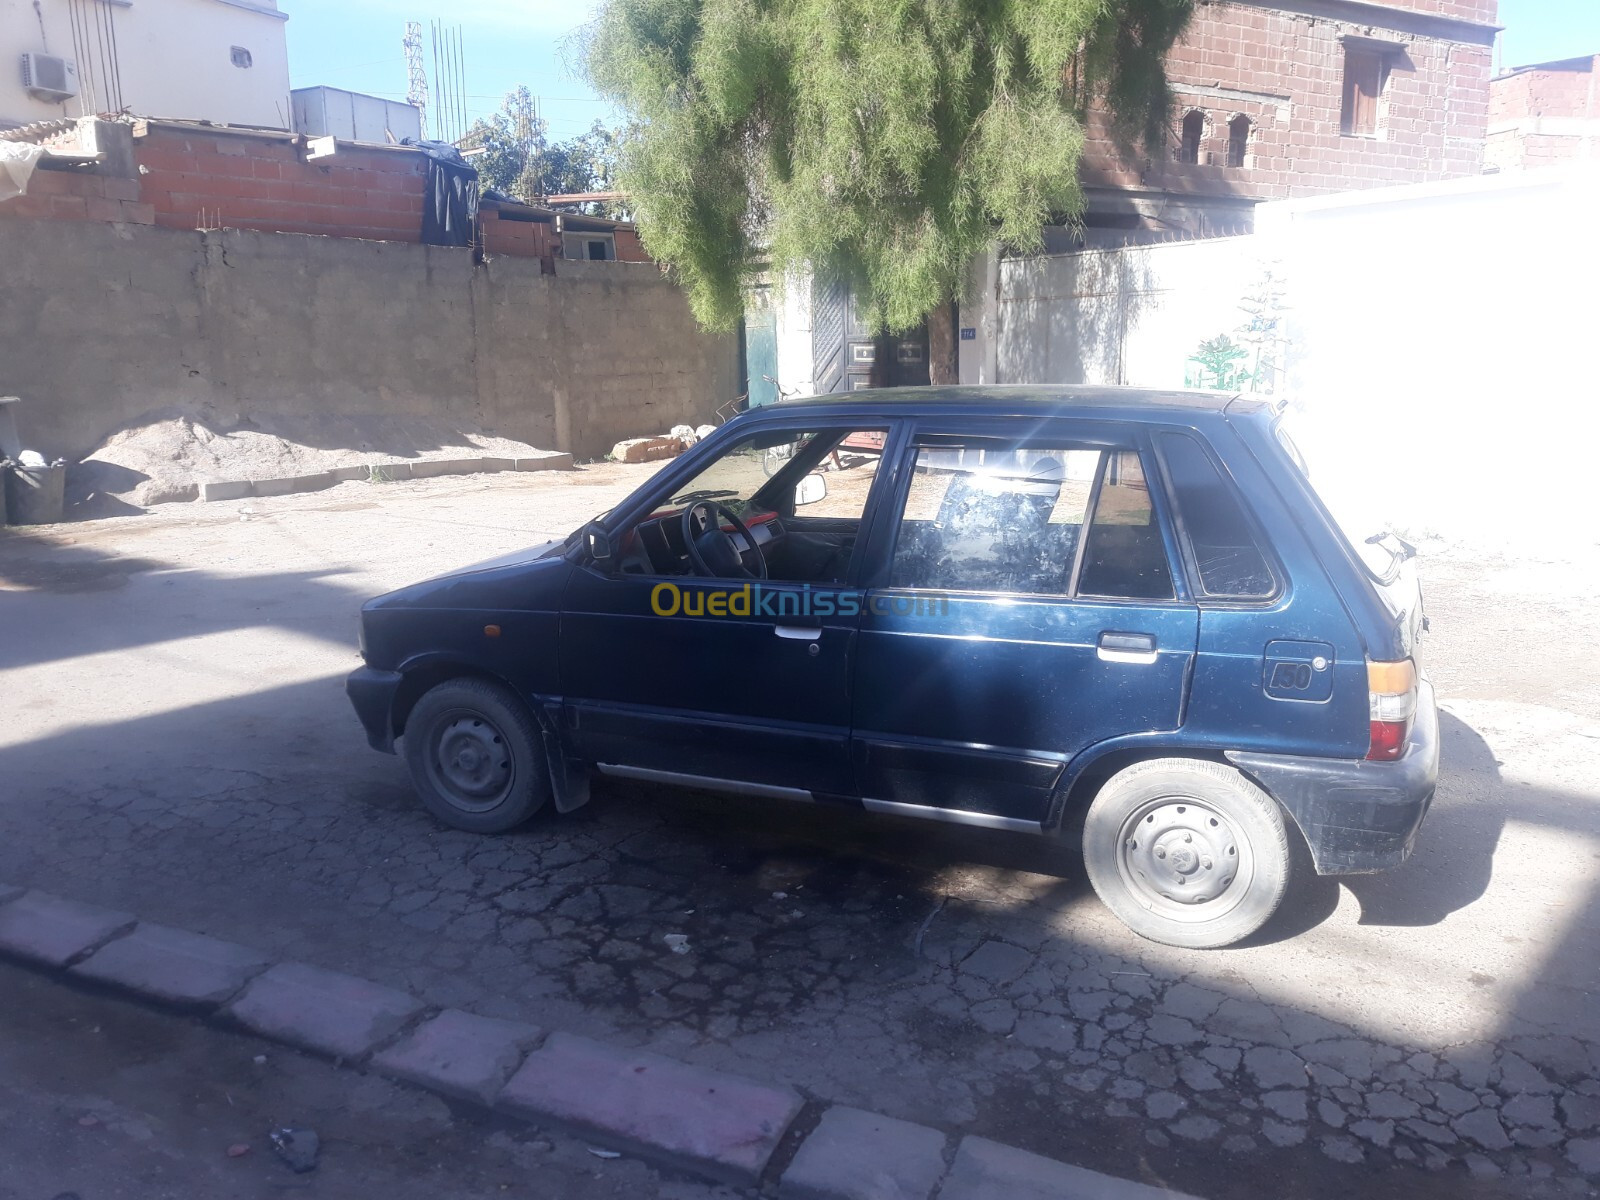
(765, 791)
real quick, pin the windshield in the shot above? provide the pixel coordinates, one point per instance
(737, 475)
(1355, 512)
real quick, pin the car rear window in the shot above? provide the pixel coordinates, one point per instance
(1226, 552)
(1124, 558)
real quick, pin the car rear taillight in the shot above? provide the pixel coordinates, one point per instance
(1391, 703)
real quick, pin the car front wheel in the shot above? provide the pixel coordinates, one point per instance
(1186, 852)
(475, 756)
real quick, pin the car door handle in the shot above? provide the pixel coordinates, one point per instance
(1126, 647)
(798, 633)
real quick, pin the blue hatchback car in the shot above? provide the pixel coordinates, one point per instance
(1116, 615)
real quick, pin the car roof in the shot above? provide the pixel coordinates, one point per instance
(1030, 400)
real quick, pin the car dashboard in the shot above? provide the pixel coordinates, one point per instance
(657, 547)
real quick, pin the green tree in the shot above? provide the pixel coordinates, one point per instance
(511, 142)
(585, 163)
(518, 158)
(1220, 358)
(880, 142)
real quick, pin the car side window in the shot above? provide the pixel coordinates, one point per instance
(992, 518)
(1124, 558)
(1227, 555)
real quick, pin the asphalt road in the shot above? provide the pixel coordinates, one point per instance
(175, 741)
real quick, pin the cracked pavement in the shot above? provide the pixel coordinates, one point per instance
(176, 742)
(104, 1100)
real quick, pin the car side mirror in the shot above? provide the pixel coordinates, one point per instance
(810, 489)
(597, 543)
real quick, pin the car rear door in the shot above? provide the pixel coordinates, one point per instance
(1024, 607)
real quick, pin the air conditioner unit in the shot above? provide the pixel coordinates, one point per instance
(49, 78)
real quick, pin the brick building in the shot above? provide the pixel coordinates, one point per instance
(1544, 114)
(193, 175)
(1286, 98)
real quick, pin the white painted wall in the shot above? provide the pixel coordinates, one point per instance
(979, 313)
(1441, 364)
(1444, 351)
(173, 58)
(1128, 316)
(795, 361)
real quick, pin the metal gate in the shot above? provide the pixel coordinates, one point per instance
(848, 354)
(761, 350)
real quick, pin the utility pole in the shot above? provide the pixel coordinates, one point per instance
(417, 89)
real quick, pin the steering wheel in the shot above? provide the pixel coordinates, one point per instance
(712, 551)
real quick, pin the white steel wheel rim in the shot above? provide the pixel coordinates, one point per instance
(1184, 859)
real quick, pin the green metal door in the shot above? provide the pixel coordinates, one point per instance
(761, 352)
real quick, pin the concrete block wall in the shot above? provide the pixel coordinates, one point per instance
(108, 323)
(80, 196)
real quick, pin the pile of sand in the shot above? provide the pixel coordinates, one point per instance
(167, 455)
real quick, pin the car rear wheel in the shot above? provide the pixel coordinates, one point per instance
(475, 756)
(1187, 853)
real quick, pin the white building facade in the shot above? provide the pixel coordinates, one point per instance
(212, 60)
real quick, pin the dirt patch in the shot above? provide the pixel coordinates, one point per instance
(169, 454)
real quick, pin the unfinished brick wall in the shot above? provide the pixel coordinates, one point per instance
(1284, 72)
(1545, 115)
(629, 247)
(1567, 89)
(1469, 10)
(197, 179)
(524, 239)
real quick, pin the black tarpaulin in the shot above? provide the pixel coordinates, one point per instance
(450, 204)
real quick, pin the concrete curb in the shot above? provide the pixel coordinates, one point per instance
(717, 1125)
(411, 468)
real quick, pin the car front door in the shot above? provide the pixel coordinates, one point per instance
(1024, 608)
(671, 674)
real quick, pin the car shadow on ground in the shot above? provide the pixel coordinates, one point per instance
(1449, 869)
(1454, 858)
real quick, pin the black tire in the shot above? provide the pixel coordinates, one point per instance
(475, 757)
(1187, 853)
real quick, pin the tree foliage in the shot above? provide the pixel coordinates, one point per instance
(880, 142)
(519, 159)
(1220, 362)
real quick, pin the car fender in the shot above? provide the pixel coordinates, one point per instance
(569, 780)
(1095, 763)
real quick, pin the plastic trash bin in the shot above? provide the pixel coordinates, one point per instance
(36, 495)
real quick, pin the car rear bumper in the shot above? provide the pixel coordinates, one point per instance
(372, 694)
(1357, 816)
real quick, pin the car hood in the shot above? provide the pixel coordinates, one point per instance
(516, 558)
(480, 584)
